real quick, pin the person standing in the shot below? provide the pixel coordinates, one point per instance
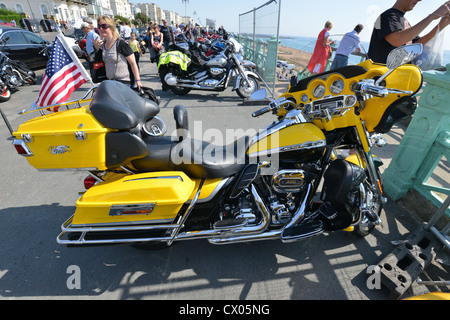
(349, 43)
(392, 30)
(90, 36)
(117, 55)
(136, 47)
(168, 36)
(157, 39)
(322, 50)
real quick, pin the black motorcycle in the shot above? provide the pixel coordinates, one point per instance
(184, 70)
(19, 69)
(13, 74)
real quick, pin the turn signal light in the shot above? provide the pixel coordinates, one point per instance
(22, 148)
(89, 182)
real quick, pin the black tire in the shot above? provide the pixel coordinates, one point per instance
(246, 91)
(180, 91)
(5, 96)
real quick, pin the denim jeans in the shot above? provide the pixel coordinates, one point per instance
(339, 62)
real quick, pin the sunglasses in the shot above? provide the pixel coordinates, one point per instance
(103, 26)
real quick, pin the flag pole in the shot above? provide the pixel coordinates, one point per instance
(74, 57)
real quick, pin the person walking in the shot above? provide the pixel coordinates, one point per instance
(350, 43)
(136, 47)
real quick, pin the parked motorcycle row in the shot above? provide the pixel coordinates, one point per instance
(208, 66)
(13, 74)
(310, 171)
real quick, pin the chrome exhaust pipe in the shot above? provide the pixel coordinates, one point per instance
(235, 232)
(270, 235)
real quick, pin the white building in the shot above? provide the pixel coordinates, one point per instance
(121, 8)
(59, 10)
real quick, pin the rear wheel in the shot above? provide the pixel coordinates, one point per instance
(179, 91)
(5, 95)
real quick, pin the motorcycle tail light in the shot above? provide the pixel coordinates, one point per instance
(22, 148)
(89, 182)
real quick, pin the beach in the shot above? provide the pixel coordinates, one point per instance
(296, 57)
(293, 56)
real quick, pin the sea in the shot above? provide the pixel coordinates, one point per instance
(307, 44)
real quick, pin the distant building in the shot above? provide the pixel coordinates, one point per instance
(211, 24)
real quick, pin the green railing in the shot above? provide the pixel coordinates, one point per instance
(421, 160)
(262, 53)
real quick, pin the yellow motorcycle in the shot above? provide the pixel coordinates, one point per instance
(309, 172)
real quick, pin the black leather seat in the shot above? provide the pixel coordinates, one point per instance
(116, 106)
(198, 159)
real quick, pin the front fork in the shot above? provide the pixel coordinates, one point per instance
(371, 168)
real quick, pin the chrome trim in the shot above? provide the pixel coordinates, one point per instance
(278, 126)
(67, 227)
(215, 191)
(80, 135)
(68, 169)
(156, 178)
(183, 218)
(156, 132)
(303, 146)
(118, 210)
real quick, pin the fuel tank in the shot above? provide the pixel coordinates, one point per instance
(217, 62)
(301, 142)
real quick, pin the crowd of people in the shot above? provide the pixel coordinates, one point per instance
(391, 30)
(120, 51)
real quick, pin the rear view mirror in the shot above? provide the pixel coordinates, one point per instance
(402, 55)
(260, 94)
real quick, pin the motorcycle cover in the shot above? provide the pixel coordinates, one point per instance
(176, 58)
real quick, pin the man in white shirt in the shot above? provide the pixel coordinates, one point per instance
(349, 43)
(126, 31)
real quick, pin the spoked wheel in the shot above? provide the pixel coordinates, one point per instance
(245, 90)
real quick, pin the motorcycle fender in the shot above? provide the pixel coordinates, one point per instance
(147, 198)
(356, 159)
(238, 80)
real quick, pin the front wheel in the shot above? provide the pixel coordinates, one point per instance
(245, 90)
(375, 204)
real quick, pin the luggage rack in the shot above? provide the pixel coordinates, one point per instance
(84, 101)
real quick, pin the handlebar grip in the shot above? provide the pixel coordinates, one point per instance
(261, 112)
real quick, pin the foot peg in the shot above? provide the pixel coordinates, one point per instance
(302, 232)
(230, 223)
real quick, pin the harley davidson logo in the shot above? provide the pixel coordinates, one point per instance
(59, 149)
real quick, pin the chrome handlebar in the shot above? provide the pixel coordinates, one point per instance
(369, 88)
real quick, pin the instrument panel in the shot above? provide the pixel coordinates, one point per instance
(328, 96)
(327, 86)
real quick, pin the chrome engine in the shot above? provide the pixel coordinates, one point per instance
(217, 71)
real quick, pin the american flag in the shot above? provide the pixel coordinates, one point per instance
(63, 75)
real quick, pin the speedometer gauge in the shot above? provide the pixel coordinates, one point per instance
(337, 86)
(319, 91)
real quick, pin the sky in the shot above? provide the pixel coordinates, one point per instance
(300, 17)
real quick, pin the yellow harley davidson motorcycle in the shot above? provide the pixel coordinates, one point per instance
(311, 171)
